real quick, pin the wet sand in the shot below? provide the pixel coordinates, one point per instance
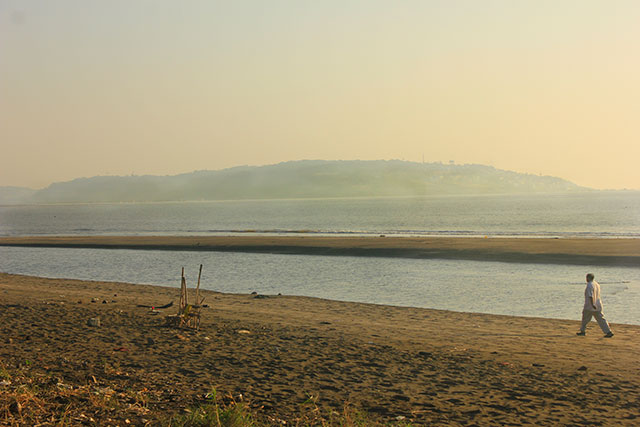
(431, 367)
(606, 252)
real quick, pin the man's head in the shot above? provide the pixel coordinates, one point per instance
(590, 277)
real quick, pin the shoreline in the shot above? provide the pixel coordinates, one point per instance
(432, 367)
(569, 251)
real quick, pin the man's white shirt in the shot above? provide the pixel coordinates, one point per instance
(592, 290)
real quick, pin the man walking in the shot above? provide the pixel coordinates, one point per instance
(593, 308)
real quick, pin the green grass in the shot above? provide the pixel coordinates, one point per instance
(237, 414)
(234, 414)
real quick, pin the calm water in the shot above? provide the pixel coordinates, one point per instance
(517, 289)
(597, 214)
(552, 291)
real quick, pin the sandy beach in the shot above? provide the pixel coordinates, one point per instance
(610, 252)
(274, 353)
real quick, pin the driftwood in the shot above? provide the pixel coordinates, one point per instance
(156, 306)
(188, 314)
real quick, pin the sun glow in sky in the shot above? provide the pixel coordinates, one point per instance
(165, 87)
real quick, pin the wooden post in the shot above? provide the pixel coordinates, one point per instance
(181, 293)
(184, 301)
(198, 302)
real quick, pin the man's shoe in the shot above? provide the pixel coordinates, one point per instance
(583, 334)
(609, 335)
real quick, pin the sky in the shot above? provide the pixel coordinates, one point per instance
(162, 87)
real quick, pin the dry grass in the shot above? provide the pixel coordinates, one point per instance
(32, 399)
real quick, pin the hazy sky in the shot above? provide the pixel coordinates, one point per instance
(164, 87)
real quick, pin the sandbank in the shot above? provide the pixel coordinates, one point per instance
(574, 251)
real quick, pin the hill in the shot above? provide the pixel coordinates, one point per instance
(303, 179)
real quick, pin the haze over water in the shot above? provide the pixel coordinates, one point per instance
(597, 214)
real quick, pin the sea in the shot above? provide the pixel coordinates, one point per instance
(537, 290)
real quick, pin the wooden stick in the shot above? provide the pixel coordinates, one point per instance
(183, 292)
(198, 287)
(181, 295)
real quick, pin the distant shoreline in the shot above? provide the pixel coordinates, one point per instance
(571, 251)
(316, 198)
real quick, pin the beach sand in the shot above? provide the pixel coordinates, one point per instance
(431, 367)
(610, 252)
